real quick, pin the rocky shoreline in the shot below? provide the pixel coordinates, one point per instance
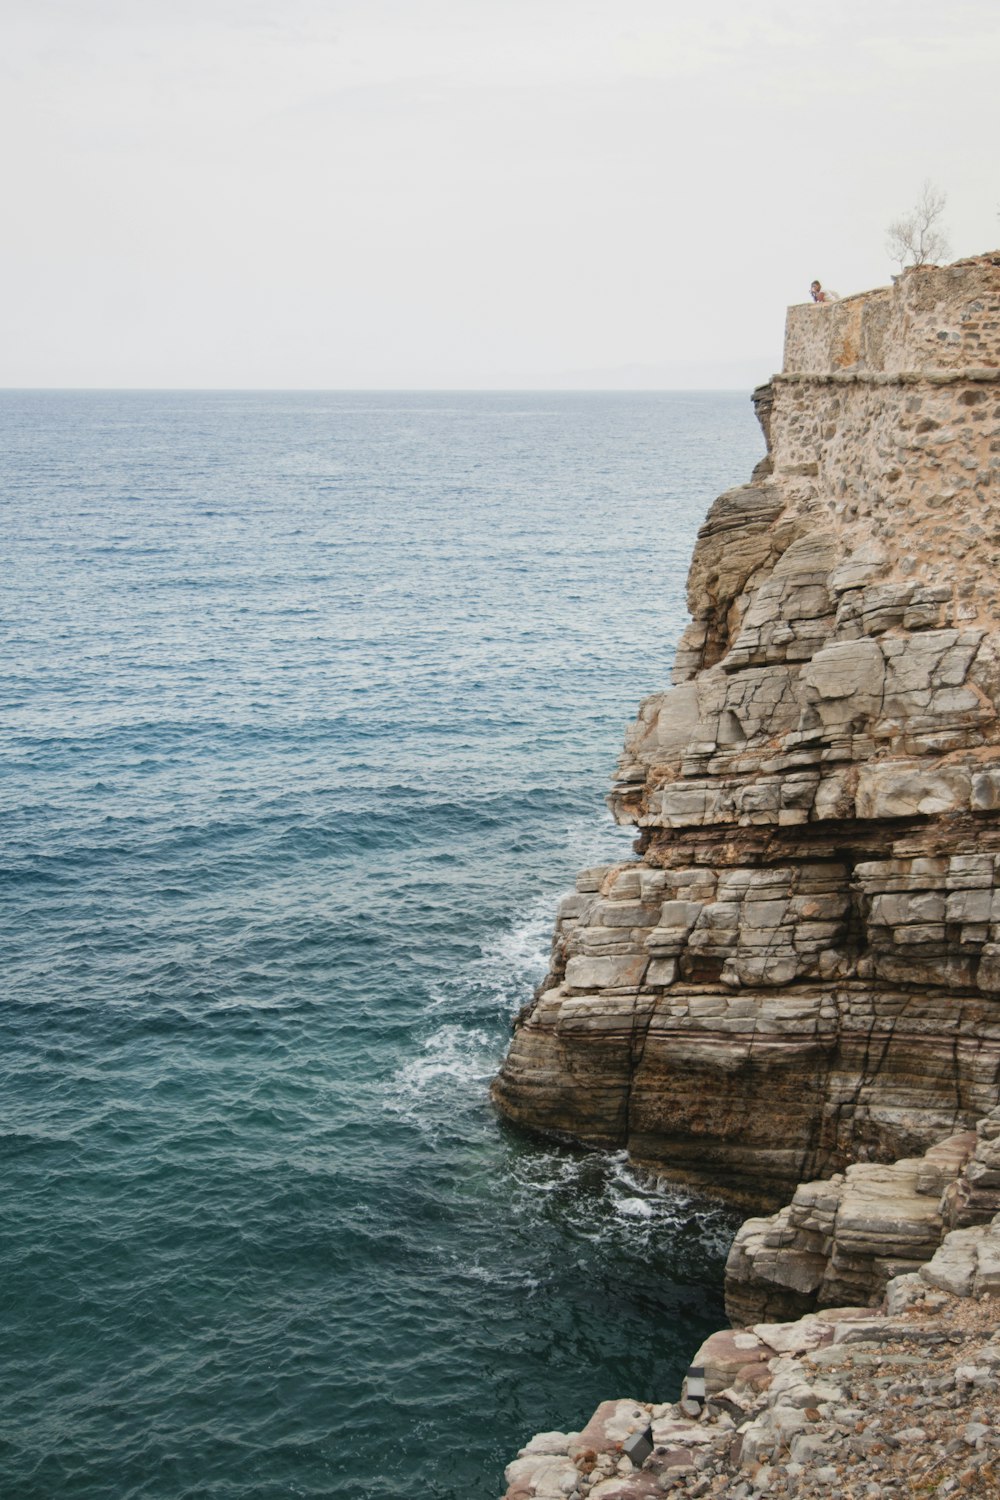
(792, 995)
(899, 1395)
(842, 1405)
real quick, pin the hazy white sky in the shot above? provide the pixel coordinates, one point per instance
(344, 193)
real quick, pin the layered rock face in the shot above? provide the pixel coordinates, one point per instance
(841, 1240)
(802, 968)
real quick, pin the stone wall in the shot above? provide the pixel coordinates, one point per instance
(802, 968)
(934, 318)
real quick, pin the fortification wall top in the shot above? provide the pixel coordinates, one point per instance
(933, 319)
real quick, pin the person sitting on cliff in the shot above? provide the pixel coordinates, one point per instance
(818, 294)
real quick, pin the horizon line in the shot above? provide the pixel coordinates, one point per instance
(375, 390)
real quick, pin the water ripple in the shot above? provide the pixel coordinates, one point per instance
(308, 707)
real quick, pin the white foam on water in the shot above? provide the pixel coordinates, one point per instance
(523, 946)
(454, 1059)
(509, 1277)
(602, 1198)
(637, 1208)
(505, 975)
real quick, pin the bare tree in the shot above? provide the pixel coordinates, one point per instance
(916, 239)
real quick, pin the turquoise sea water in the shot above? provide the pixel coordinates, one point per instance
(309, 704)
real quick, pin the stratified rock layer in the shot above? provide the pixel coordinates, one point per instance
(802, 969)
(841, 1240)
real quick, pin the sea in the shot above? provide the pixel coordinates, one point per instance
(309, 707)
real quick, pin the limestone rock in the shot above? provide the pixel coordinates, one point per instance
(793, 991)
(801, 969)
(725, 1353)
(846, 1238)
(973, 1197)
(611, 1424)
(896, 1394)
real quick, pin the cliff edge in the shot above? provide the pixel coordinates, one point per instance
(801, 969)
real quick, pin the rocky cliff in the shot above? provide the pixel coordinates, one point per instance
(801, 969)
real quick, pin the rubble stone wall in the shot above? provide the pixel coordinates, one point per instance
(934, 317)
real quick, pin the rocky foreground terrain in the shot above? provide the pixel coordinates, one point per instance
(792, 995)
(840, 1406)
(902, 1398)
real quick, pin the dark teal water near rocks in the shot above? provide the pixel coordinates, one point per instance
(309, 704)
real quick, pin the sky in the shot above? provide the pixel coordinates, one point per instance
(345, 194)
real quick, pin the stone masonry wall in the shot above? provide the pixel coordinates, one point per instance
(934, 318)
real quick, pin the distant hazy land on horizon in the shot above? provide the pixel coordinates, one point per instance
(736, 378)
(310, 701)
